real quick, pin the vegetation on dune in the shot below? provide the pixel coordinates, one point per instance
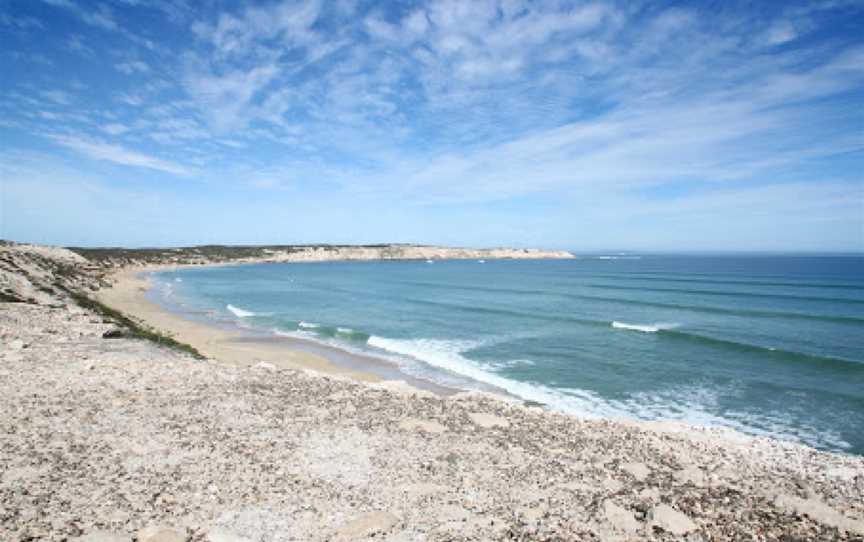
(133, 329)
(198, 254)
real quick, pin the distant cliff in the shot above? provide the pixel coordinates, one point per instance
(210, 254)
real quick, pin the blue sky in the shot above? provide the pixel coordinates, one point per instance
(588, 126)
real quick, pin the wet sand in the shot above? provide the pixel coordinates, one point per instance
(240, 347)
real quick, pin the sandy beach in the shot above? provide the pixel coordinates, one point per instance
(127, 295)
(120, 439)
(238, 347)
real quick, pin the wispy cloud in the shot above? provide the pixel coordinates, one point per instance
(115, 153)
(133, 66)
(452, 103)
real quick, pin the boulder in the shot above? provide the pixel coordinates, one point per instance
(113, 333)
(670, 520)
(368, 524)
(819, 512)
(620, 518)
(487, 421)
(425, 426)
(103, 536)
(224, 535)
(637, 470)
(158, 533)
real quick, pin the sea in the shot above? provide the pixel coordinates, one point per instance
(767, 345)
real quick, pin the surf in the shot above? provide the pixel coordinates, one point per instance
(238, 312)
(644, 328)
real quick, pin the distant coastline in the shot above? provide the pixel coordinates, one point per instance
(221, 254)
(155, 418)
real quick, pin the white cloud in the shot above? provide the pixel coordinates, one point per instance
(289, 21)
(77, 44)
(57, 96)
(134, 66)
(114, 128)
(114, 153)
(100, 17)
(780, 33)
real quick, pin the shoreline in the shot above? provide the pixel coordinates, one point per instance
(230, 344)
(244, 347)
(119, 438)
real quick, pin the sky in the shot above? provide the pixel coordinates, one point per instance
(589, 126)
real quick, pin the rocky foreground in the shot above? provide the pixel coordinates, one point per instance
(109, 439)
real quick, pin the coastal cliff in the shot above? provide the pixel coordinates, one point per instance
(108, 437)
(213, 254)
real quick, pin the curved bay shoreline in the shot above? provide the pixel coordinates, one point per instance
(113, 436)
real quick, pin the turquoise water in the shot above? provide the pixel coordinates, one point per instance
(766, 345)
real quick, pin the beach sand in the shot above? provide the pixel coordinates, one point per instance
(128, 295)
(239, 347)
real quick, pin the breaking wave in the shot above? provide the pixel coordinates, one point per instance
(650, 328)
(238, 312)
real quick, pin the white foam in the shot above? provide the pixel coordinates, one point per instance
(344, 330)
(511, 363)
(308, 325)
(644, 328)
(178, 279)
(238, 312)
(699, 404)
(446, 354)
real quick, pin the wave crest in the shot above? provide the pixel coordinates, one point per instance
(238, 312)
(644, 328)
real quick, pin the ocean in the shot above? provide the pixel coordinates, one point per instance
(767, 345)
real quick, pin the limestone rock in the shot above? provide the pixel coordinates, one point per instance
(638, 470)
(488, 421)
(224, 535)
(367, 524)
(819, 512)
(103, 536)
(620, 518)
(670, 520)
(690, 475)
(158, 533)
(426, 426)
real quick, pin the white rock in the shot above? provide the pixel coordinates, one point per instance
(367, 524)
(158, 533)
(670, 520)
(488, 421)
(819, 512)
(690, 475)
(224, 535)
(638, 470)
(620, 518)
(427, 426)
(612, 485)
(103, 536)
